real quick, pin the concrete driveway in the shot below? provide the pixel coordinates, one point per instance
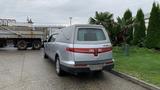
(28, 70)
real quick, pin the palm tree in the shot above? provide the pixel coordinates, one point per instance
(105, 19)
(102, 18)
(124, 26)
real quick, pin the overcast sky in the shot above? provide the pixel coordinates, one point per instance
(59, 11)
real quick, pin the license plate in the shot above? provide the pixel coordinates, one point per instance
(96, 67)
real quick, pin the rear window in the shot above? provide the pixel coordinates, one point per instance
(90, 34)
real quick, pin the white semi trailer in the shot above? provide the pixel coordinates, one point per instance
(22, 37)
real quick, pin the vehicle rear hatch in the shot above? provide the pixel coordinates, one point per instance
(91, 46)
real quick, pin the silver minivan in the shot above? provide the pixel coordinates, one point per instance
(80, 48)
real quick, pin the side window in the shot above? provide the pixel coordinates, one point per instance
(49, 40)
(53, 39)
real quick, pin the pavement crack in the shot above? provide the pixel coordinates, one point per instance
(22, 68)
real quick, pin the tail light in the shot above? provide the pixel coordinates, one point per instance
(109, 62)
(89, 50)
(102, 50)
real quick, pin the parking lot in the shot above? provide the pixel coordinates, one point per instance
(28, 70)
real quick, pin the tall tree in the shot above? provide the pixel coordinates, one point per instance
(124, 28)
(105, 19)
(153, 32)
(116, 34)
(139, 29)
(128, 19)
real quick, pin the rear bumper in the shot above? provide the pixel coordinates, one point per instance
(72, 63)
(86, 68)
(80, 70)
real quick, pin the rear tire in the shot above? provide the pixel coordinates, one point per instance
(45, 56)
(97, 72)
(59, 71)
(22, 45)
(36, 45)
(110, 68)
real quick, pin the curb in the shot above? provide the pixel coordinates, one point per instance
(135, 80)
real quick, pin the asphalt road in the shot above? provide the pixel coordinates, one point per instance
(28, 70)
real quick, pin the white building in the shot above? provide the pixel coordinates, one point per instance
(146, 17)
(7, 21)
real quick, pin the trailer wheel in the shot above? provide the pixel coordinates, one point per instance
(22, 45)
(36, 45)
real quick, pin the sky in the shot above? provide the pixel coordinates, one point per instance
(59, 11)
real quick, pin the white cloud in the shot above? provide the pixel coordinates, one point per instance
(59, 11)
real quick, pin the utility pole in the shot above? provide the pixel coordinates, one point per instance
(70, 20)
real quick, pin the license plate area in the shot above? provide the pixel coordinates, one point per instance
(96, 67)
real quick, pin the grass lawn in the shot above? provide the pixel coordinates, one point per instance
(141, 63)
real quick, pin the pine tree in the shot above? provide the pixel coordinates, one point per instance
(158, 30)
(139, 29)
(153, 32)
(128, 18)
